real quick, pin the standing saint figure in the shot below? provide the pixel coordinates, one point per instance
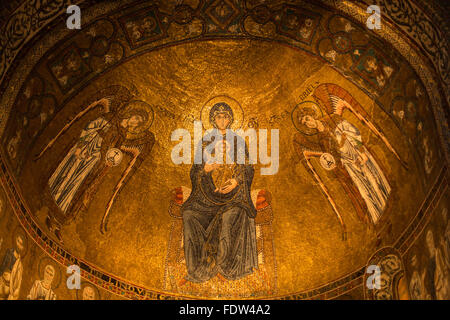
(416, 286)
(437, 280)
(42, 289)
(218, 217)
(11, 271)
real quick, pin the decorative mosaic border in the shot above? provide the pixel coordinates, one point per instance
(36, 46)
(414, 229)
(392, 268)
(32, 16)
(415, 22)
(406, 44)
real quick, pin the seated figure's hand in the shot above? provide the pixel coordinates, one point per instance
(229, 186)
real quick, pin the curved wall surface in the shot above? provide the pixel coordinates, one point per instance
(100, 128)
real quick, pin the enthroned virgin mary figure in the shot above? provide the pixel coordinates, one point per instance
(218, 217)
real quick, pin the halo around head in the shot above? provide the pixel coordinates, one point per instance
(306, 108)
(84, 285)
(138, 107)
(20, 235)
(238, 112)
(43, 263)
(117, 94)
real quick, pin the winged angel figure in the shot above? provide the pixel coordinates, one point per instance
(116, 127)
(339, 146)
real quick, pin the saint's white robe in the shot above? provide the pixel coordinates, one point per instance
(369, 179)
(39, 292)
(10, 287)
(16, 280)
(72, 171)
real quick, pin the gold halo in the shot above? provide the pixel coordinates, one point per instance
(84, 284)
(139, 105)
(41, 267)
(312, 108)
(19, 231)
(238, 112)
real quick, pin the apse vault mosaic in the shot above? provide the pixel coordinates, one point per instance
(352, 119)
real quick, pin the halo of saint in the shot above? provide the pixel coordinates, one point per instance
(238, 112)
(144, 110)
(304, 108)
(47, 263)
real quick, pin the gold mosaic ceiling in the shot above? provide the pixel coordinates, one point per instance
(272, 60)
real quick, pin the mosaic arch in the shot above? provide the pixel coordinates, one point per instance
(279, 65)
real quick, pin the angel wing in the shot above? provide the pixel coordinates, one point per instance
(307, 145)
(116, 96)
(308, 149)
(139, 151)
(335, 99)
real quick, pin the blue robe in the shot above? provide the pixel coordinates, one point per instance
(219, 229)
